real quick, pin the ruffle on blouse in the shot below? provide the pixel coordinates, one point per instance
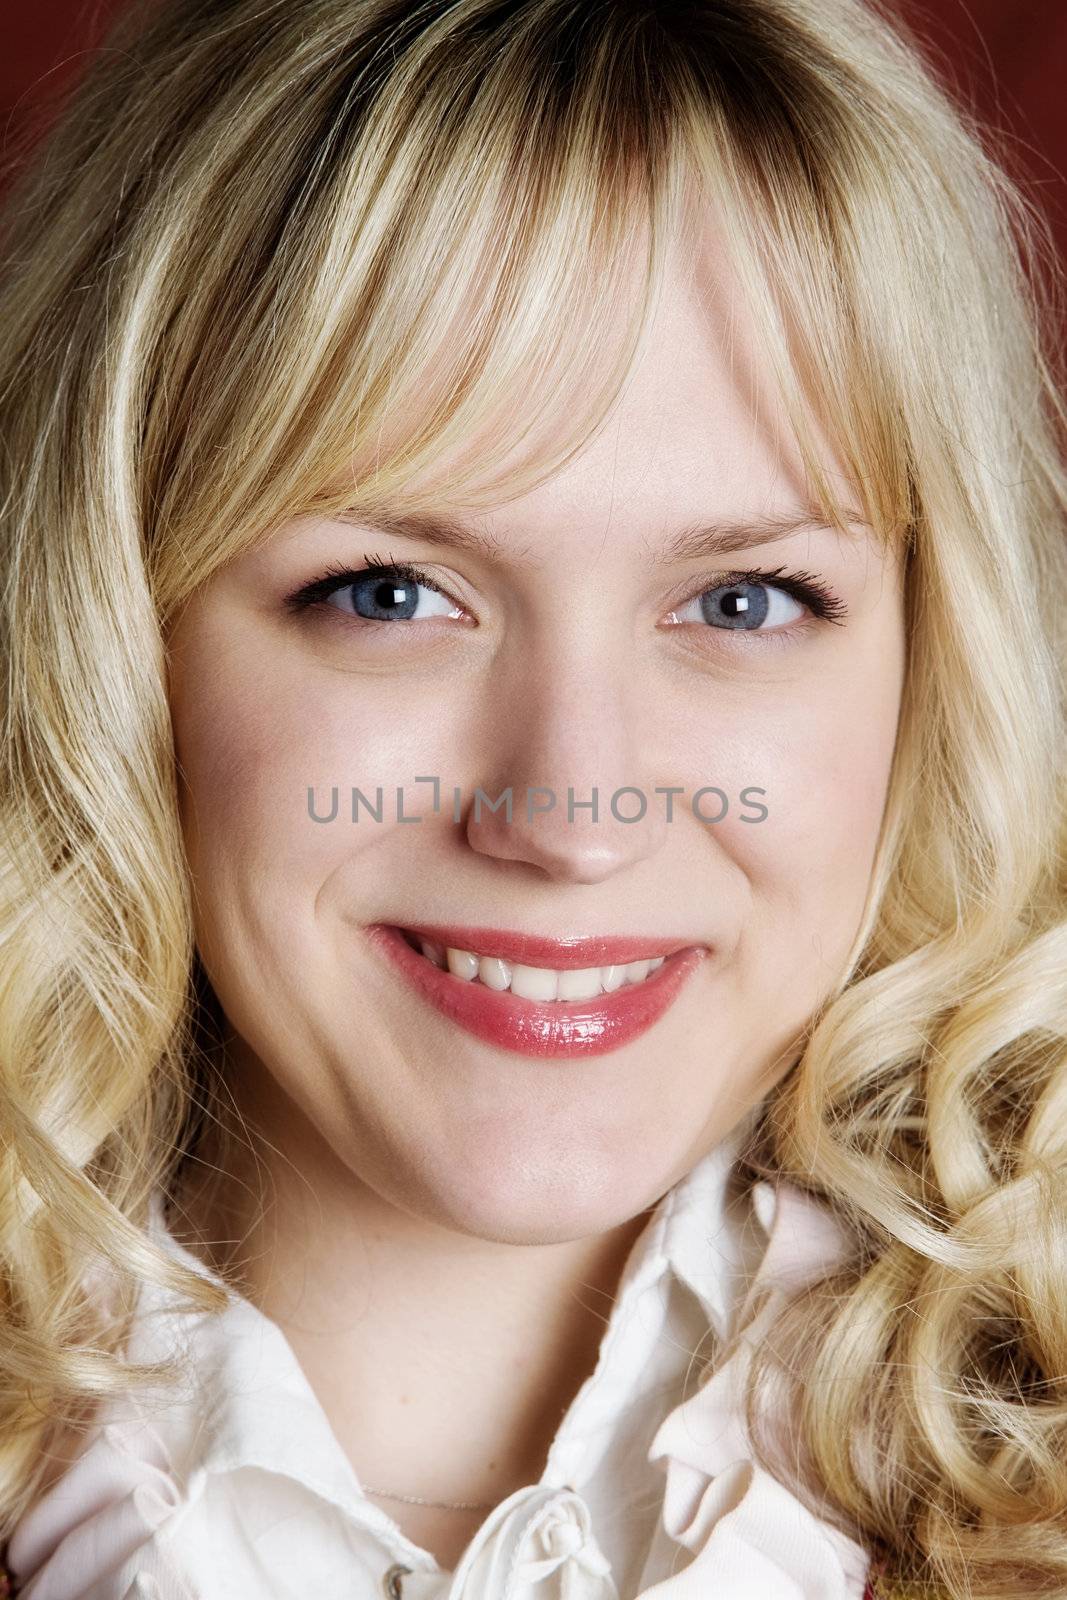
(538, 1534)
(536, 1545)
(114, 1516)
(750, 1535)
(96, 1521)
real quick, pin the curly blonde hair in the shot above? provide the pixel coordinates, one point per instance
(253, 231)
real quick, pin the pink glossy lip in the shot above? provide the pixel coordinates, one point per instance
(554, 1028)
(534, 951)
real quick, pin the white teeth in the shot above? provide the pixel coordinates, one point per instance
(494, 972)
(534, 983)
(538, 983)
(462, 964)
(579, 983)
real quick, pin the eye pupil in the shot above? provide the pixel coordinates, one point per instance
(743, 610)
(380, 599)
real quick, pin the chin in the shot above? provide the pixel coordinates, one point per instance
(509, 1196)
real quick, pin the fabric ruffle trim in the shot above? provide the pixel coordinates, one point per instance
(749, 1535)
(98, 1517)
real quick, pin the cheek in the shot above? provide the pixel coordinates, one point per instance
(252, 736)
(827, 763)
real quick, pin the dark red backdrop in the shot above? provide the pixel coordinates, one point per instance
(1009, 57)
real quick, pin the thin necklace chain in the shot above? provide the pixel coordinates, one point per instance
(441, 1505)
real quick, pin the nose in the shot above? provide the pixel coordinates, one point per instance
(565, 738)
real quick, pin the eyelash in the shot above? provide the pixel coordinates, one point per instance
(337, 574)
(810, 590)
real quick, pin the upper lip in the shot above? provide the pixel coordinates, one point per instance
(532, 949)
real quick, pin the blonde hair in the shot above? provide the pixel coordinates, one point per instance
(226, 274)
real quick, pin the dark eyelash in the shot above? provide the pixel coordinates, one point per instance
(803, 586)
(337, 574)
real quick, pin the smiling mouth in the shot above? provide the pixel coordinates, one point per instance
(529, 982)
(565, 1012)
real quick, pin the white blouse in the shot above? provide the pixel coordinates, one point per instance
(237, 1488)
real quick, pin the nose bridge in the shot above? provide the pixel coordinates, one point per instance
(568, 749)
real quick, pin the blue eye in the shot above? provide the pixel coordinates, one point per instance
(379, 592)
(748, 602)
(743, 605)
(391, 598)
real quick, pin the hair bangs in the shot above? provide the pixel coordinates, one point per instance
(452, 271)
(458, 268)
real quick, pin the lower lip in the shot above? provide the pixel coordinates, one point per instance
(548, 1028)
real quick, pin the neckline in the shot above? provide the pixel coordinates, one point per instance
(243, 1347)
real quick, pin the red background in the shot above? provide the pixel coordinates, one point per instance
(1006, 57)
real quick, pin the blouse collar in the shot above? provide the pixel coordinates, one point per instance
(747, 1533)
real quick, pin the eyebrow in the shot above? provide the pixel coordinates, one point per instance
(424, 525)
(720, 536)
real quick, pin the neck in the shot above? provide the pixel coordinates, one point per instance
(407, 1330)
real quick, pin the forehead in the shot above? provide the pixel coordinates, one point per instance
(698, 431)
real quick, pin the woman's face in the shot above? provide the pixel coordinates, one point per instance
(578, 651)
